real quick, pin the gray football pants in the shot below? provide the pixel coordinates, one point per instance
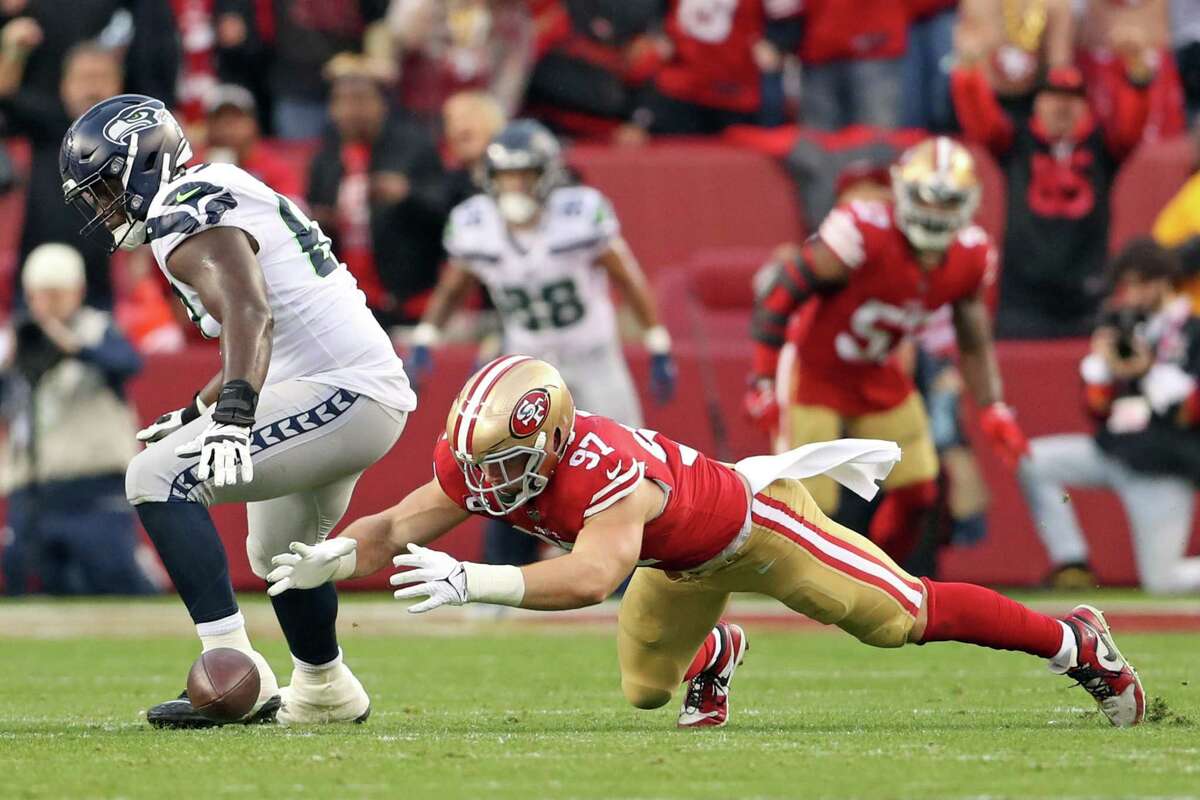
(600, 383)
(311, 442)
(1160, 509)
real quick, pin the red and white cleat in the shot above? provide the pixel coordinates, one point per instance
(706, 702)
(1102, 670)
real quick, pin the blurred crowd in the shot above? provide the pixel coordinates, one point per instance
(392, 104)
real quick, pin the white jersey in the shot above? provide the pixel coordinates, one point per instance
(553, 299)
(323, 332)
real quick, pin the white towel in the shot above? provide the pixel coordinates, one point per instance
(857, 464)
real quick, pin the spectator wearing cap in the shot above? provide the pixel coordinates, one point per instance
(378, 190)
(71, 435)
(1060, 164)
(233, 137)
(90, 73)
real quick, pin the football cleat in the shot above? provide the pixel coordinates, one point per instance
(706, 702)
(1102, 670)
(179, 714)
(330, 696)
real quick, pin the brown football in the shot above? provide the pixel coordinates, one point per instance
(223, 684)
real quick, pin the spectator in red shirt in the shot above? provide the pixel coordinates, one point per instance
(1119, 38)
(716, 51)
(233, 137)
(851, 54)
(1060, 164)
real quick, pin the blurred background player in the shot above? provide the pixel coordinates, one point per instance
(309, 395)
(71, 437)
(1141, 384)
(875, 271)
(546, 252)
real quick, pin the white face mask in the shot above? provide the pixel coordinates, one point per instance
(131, 235)
(517, 208)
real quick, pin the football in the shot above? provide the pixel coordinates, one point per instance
(223, 684)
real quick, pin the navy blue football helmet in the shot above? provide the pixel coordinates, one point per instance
(523, 144)
(114, 159)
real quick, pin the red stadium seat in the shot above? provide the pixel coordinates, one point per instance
(1150, 178)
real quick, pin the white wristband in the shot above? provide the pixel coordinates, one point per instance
(657, 340)
(426, 334)
(493, 583)
(345, 567)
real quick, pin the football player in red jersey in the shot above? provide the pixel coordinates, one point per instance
(871, 276)
(696, 529)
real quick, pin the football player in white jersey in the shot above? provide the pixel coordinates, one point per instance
(546, 252)
(310, 392)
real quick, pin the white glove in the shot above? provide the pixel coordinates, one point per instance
(310, 566)
(1165, 385)
(438, 576)
(222, 448)
(171, 421)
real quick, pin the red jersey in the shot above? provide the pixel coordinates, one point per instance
(847, 349)
(712, 62)
(706, 503)
(865, 29)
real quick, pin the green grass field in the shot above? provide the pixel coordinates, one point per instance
(525, 710)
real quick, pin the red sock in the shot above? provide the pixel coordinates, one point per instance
(963, 612)
(898, 521)
(705, 656)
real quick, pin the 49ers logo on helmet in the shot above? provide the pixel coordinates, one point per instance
(530, 412)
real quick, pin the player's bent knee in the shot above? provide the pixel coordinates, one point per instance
(893, 633)
(143, 480)
(260, 559)
(645, 697)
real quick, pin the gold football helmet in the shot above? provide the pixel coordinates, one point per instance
(508, 428)
(937, 192)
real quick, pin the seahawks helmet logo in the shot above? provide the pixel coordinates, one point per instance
(132, 120)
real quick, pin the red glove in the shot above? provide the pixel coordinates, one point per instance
(999, 425)
(761, 405)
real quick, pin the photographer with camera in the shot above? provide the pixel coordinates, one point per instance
(70, 436)
(1141, 384)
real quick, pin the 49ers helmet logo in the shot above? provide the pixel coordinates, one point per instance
(529, 413)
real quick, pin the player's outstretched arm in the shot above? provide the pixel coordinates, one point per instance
(368, 544)
(605, 552)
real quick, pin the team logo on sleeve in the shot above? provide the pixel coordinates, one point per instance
(132, 120)
(529, 414)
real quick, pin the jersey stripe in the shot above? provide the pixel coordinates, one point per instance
(781, 507)
(838, 554)
(622, 486)
(475, 398)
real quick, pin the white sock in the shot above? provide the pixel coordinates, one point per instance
(317, 669)
(1065, 658)
(225, 632)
